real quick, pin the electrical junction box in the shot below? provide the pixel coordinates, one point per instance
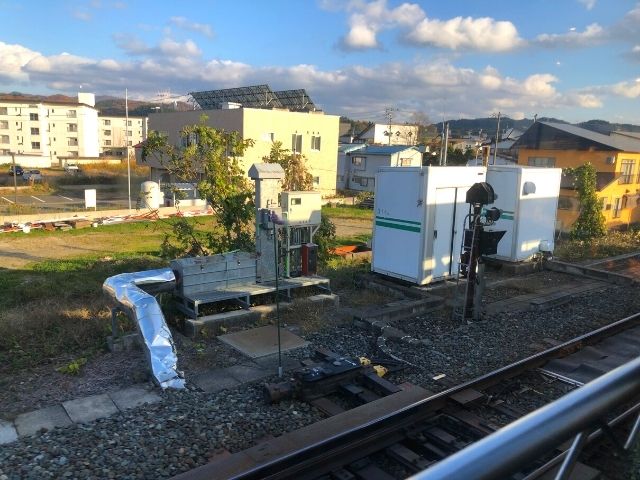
(301, 208)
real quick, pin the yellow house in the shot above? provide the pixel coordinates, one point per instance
(616, 158)
(265, 116)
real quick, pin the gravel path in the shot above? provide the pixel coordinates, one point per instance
(189, 427)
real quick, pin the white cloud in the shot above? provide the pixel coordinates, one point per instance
(485, 34)
(182, 22)
(14, 58)
(433, 86)
(588, 4)
(367, 19)
(82, 15)
(629, 89)
(167, 46)
(591, 35)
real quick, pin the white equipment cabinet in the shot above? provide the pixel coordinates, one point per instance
(528, 198)
(419, 214)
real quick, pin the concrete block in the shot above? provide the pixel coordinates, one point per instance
(31, 422)
(214, 381)
(248, 372)
(329, 299)
(133, 397)
(8, 432)
(90, 408)
(123, 343)
(258, 342)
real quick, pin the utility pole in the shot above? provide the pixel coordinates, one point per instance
(495, 150)
(126, 142)
(15, 180)
(446, 143)
(388, 112)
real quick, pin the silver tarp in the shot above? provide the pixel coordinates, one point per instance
(146, 312)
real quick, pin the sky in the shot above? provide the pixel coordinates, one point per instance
(570, 59)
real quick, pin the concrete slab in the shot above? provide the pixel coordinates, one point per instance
(248, 373)
(270, 362)
(90, 408)
(133, 397)
(32, 422)
(214, 381)
(258, 342)
(8, 432)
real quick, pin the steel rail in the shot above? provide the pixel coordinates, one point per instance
(513, 447)
(322, 456)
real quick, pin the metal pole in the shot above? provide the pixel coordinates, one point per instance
(15, 180)
(446, 143)
(126, 142)
(495, 150)
(275, 251)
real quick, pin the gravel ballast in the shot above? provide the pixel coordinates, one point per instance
(189, 427)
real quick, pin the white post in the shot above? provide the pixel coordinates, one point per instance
(126, 143)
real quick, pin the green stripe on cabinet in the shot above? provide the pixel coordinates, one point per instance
(411, 222)
(397, 226)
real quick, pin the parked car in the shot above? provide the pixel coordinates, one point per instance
(19, 170)
(71, 169)
(32, 176)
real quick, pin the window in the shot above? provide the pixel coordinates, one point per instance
(541, 161)
(4, 124)
(72, 127)
(107, 142)
(35, 131)
(71, 114)
(33, 116)
(296, 201)
(129, 123)
(616, 208)
(316, 180)
(626, 169)
(4, 139)
(128, 133)
(623, 204)
(358, 162)
(405, 162)
(130, 143)
(72, 142)
(268, 137)
(315, 143)
(3, 111)
(4, 151)
(362, 181)
(106, 122)
(296, 143)
(107, 133)
(73, 153)
(191, 139)
(35, 145)
(565, 203)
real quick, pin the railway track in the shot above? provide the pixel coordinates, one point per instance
(409, 431)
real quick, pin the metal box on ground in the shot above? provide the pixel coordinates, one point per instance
(528, 198)
(418, 224)
(301, 208)
(196, 275)
(309, 259)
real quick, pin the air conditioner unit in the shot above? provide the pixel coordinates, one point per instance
(610, 160)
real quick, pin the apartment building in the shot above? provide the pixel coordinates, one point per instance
(49, 129)
(383, 134)
(310, 133)
(118, 134)
(616, 158)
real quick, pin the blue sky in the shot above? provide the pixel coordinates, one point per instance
(571, 59)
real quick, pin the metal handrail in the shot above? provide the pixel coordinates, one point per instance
(515, 446)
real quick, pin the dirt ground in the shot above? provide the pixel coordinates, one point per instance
(352, 227)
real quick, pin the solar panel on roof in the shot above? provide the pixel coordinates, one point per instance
(256, 96)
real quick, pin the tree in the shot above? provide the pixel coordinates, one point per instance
(591, 222)
(208, 158)
(296, 174)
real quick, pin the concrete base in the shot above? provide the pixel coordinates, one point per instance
(90, 408)
(514, 268)
(215, 381)
(133, 397)
(262, 341)
(212, 324)
(124, 343)
(31, 423)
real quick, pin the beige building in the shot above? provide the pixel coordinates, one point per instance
(114, 130)
(313, 134)
(48, 131)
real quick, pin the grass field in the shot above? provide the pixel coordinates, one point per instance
(348, 212)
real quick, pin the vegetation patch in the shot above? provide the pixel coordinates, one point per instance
(611, 244)
(347, 212)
